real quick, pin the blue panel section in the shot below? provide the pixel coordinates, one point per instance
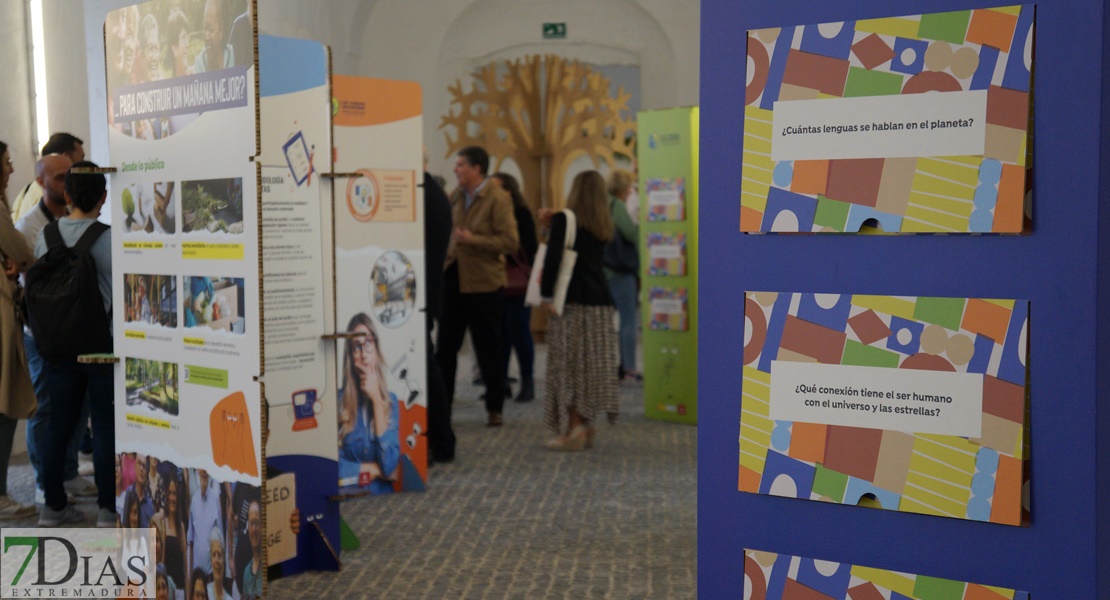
(835, 318)
(288, 65)
(916, 56)
(317, 478)
(803, 207)
(981, 359)
(833, 586)
(859, 214)
(780, 465)
(1011, 369)
(984, 73)
(777, 69)
(838, 46)
(1016, 76)
(857, 488)
(776, 583)
(775, 325)
(898, 325)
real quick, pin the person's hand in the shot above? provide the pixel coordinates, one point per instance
(295, 521)
(545, 215)
(11, 270)
(462, 235)
(368, 382)
(550, 308)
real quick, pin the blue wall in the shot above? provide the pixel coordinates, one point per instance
(1055, 267)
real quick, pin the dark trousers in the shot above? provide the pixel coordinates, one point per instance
(518, 336)
(441, 437)
(68, 383)
(483, 314)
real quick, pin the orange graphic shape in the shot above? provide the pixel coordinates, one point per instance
(992, 28)
(232, 442)
(987, 318)
(414, 442)
(810, 177)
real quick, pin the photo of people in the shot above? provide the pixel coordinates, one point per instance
(209, 533)
(150, 299)
(215, 302)
(213, 205)
(153, 384)
(149, 208)
(164, 40)
(369, 444)
(393, 285)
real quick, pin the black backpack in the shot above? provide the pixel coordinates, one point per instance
(64, 308)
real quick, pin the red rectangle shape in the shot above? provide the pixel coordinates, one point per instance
(1003, 399)
(821, 73)
(824, 344)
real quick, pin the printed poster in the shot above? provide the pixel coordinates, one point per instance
(770, 576)
(666, 254)
(666, 199)
(915, 404)
(669, 309)
(913, 124)
(379, 253)
(297, 269)
(186, 285)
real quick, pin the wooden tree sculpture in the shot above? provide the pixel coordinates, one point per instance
(543, 112)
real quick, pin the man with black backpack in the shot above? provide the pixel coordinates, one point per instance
(69, 303)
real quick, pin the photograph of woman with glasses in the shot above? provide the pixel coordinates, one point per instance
(369, 444)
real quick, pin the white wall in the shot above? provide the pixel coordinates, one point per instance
(15, 108)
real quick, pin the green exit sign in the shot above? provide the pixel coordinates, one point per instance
(554, 31)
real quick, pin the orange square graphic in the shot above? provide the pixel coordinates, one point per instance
(749, 480)
(987, 319)
(978, 592)
(992, 28)
(807, 442)
(1006, 503)
(750, 219)
(1009, 211)
(810, 177)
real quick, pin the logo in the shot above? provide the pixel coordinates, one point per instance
(77, 563)
(656, 140)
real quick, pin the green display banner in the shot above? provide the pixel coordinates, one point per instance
(668, 163)
(206, 376)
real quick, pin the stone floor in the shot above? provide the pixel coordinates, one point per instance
(509, 519)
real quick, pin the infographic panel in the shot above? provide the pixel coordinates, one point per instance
(770, 576)
(916, 404)
(911, 124)
(379, 254)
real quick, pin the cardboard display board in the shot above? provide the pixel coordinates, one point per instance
(379, 258)
(668, 169)
(913, 124)
(302, 518)
(186, 284)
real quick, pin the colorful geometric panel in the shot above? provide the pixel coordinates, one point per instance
(977, 478)
(855, 62)
(769, 576)
(787, 211)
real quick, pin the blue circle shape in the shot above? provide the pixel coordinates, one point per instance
(784, 174)
(990, 171)
(986, 196)
(987, 461)
(780, 436)
(979, 509)
(981, 221)
(982, 485)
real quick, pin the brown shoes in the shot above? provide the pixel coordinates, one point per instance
(494, 420)
(577, 440)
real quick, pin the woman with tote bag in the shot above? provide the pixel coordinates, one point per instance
(582, 344)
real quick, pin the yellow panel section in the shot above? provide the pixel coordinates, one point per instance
(753, 462)
(1009, 10)
(893, 26)
(754, 374)
(944, 203)
(142, 245)
(952, 450)
(754, 447)
(891, 580)
(891, 305)
(925, 502)
(756, 420)
(203, 250)
(949, 491)
(1000, 302)
(942, 188)
(919, 218)
(134, 335)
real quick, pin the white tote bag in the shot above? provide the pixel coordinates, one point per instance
(566, 269)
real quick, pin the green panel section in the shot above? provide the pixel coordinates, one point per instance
(862, 82)
(668, 147)
(215, 378)
(861, 355)
(831, 213)
(948, 26)
(945, 312)
(829, 483)
(932, 588)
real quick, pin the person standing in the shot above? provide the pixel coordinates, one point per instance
(518, 317)
(62, 143)
(437, 236)
(474, 280)
(622, 267)
(17, 396)
(69, 382)
(581, 343)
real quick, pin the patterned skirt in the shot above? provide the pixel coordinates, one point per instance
(581, 365)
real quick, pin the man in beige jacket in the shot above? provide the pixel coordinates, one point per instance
(474, 277)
